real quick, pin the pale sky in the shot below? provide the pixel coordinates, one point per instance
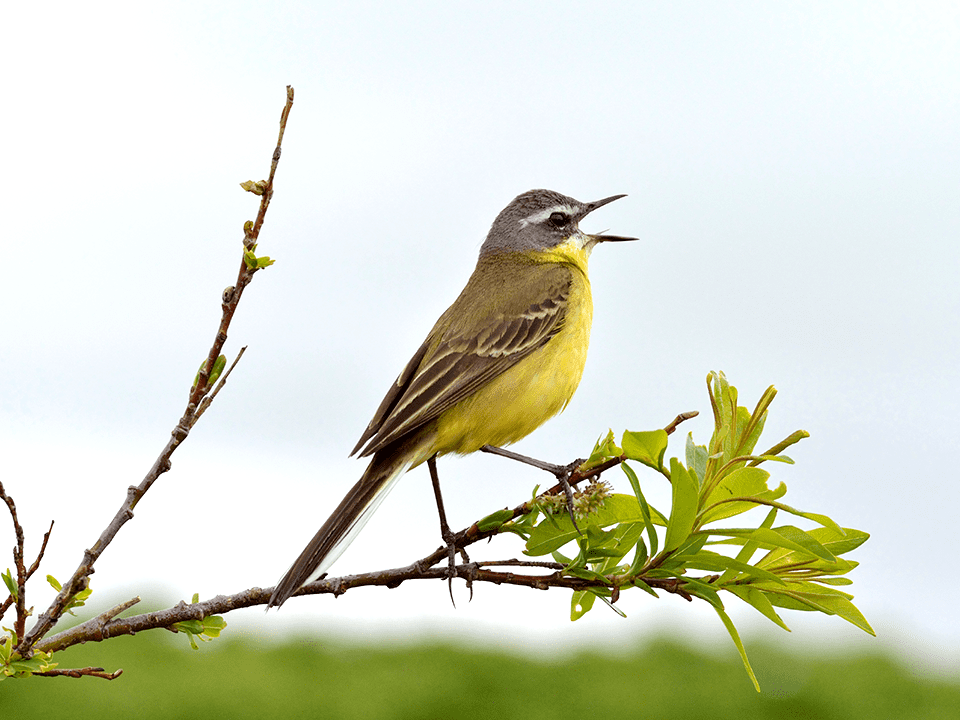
(793, 172)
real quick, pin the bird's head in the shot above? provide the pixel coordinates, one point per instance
(543, 219)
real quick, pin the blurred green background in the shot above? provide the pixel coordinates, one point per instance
(313, 677)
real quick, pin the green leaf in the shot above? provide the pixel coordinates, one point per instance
(640, 558)
(741, 482)
(10, 583)
(785, 536)
(741, 485)
(737, 506)
(815, 517)
(625, 539)
(704, 591)
(754, 425)
(646, 447)
(833, 542)
(715, 562)
(696, 458)
(846, 609)
(603, 450)
(643, 586)
(218, 365)
(213, 625)
(735, 636)
(644, 508)
(792, 439)
(821, 599)
(54, 583)
(748, 549)
(556, 531)
(613, 607)
(581, 603)
(684, 509)
(759, 601)
(194, 627)
(494, 520)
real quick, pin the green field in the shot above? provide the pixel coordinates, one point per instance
(233, 678)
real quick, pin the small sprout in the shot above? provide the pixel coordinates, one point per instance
(218, 365)
(494, 520)
(256, 263)
(10, 583)
(206, 629)
(258, 187)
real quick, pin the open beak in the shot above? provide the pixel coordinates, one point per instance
(603, 237)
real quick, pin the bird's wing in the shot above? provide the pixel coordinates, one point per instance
(447, 369)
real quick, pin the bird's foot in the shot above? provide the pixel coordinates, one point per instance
(450, 538)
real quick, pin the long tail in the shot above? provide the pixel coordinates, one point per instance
(343, 525)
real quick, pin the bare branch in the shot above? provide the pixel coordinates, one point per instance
(207, 401)
(43, 548)
(79, 580)
(18, 564)
(96, 630)
(80, 672)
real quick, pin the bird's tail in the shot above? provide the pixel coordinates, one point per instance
(343, 525)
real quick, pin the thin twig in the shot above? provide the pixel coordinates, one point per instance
(43, 548)
(21, 618)
(81, 672)
(79, 580)
(207, 401)
(682, 417)
(521, 563)
(95, 631)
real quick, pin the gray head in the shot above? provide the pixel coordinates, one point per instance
(542, 219)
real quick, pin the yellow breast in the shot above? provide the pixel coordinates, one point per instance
(538, 387)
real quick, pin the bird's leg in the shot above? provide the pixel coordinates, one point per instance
(560, 472)
(448, 536)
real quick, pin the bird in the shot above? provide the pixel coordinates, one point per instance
(504, 358)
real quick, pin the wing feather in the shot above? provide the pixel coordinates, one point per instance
(449, 368)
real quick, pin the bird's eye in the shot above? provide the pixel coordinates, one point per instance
(559, 219)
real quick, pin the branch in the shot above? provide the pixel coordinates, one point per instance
(80, 578)
(80, 672)
(97, 630)
(107, 625)
(18, 596)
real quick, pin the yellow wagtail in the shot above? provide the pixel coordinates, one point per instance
(503, 359)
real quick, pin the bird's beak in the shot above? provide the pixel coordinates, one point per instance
(598, 204)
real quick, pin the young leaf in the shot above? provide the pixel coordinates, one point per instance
(644, 508)
(684, 510)
(735, 636)
(581, 603)
(10, 583)
(759, 601)
(494, 520)
(556, 531)
(645, 447)
(696, 458)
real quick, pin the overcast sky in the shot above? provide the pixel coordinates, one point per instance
(792, 170)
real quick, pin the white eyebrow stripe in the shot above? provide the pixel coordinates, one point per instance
(539, 217)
